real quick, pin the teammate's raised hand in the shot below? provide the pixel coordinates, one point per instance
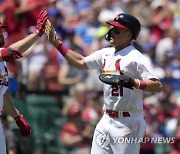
(51, 33)
(40, 26)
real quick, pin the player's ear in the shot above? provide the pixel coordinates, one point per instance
(129, 34)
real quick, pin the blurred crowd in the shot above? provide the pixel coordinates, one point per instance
(82, 25)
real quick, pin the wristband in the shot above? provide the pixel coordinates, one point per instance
(9, 54)
(141, 84)
(63, 49)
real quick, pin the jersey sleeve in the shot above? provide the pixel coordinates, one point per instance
(143, 69)
(94, 60)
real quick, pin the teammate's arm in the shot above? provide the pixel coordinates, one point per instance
(15, 50)
(11, 110)
(9, 107)
(24, 44)
(72, 57)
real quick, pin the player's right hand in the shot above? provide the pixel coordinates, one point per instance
(23, 125)
(40, 26)
(51, 34)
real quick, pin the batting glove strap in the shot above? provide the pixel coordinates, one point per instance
(40, 27)
(140, 84)
(24, 127)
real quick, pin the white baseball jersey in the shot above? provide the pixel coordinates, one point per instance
(3, 89)
(3, 81)
(128, 61)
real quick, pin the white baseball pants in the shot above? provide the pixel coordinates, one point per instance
(110, 133)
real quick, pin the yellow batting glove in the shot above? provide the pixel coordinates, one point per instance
(51, 34)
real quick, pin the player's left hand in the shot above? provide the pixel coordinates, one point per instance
(24, 127)
(122, 80)
(40, 26)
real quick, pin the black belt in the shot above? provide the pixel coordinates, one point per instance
(114, 114)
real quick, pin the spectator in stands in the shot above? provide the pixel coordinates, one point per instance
(30, 9)
(69, 76)
(176, 144)
(165, 48)
(37, 56)
(92, 110)
(109, 9)
(75, 135)
(77, 96)
(85, 34)
(50, 72)
(142, 10)
(58, 19)
(162, 19)
(15, 30)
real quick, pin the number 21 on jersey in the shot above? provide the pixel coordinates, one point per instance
(115, 90)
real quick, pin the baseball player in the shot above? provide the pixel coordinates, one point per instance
(8, 54)
(123, 104)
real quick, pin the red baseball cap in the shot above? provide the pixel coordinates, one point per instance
(127, 21)
(3, 26)
(116, 24)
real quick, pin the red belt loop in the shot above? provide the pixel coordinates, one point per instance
(126, 114)
(114, 114)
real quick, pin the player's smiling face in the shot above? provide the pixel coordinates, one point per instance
(120, 36)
